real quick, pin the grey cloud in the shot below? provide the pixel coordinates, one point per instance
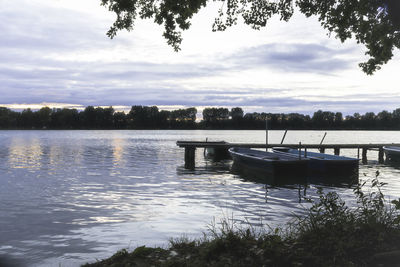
(293, 57)
(28, 75)
(284, 104)
(164, 95)
(37, 29)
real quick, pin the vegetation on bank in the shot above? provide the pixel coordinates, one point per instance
(330, 234)
(145, 117)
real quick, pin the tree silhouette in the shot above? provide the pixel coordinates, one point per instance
(374, 23)
(66, 119)
(120, 120)
(8, 118)
(145, 117)
(215, 117)
(43, 118)
(384, 119)
(88, 117)
(27, 119)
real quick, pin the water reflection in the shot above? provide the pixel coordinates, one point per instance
(214, 169)
(25, 153)
(209, 167)
(258, 175)
(393, 163)
(56, 157)
(67, 197)
(118, 145)
(301, 191)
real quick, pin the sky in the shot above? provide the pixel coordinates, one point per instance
(56, 53)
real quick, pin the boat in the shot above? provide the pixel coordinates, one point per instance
(278, 166)
(321, 164)
(215, 152)
(392, 152)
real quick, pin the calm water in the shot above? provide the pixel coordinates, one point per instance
(70, 197)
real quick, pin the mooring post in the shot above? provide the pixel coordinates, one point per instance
(189, 157)
(321, 149)
(322, 140)
(364, 155)
(336, 151)
(283, 138)
(205, 149)
(266, 133)
(358, 152)
(380, 155)
(299, 150)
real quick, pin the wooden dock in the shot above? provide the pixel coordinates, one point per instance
(190, 148)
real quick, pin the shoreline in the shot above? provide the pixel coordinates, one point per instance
(329, 234)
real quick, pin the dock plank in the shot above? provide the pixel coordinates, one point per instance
(202, 144)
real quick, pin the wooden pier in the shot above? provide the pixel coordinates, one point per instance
(190, 148)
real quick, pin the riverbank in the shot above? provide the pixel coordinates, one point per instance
(151, 118)
(330, 234)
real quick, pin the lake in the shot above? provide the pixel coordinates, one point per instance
(70, 197)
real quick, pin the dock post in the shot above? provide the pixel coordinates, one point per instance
(364, 155)
(266, 134)
(283, 138)
(358, 152)
(380, 155)
(336, 151)
(189, 157)
(321, 149)
(322, 140)
(299, 150)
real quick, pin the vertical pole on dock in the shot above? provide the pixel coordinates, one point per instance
(322, 150)
(322, 140)
(283, 138)
(266, 133)
(305, 152)
(190, 157)
(364, 155)
(299, 150)
(336, 151)
(358, 152)
(205, 149)
(380, 155)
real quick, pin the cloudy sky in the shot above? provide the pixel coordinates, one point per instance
(56, 53)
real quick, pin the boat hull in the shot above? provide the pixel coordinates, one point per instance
(325, 166)
(268, 166)
(392, 153)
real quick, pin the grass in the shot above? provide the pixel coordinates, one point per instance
(330, 234)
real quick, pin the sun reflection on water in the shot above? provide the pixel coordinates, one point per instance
(118, 146)
(25, 153)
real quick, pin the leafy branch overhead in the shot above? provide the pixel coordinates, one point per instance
(374, 23)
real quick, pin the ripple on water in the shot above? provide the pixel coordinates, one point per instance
(68, 197)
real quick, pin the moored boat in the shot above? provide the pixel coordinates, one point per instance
(392, 152)
(272, 164)
(324, 164)
(216, 153)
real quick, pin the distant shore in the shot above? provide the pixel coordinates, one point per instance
(151, 118)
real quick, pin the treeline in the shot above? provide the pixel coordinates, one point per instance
(145, 117)
(139, 117)
(222, 118)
